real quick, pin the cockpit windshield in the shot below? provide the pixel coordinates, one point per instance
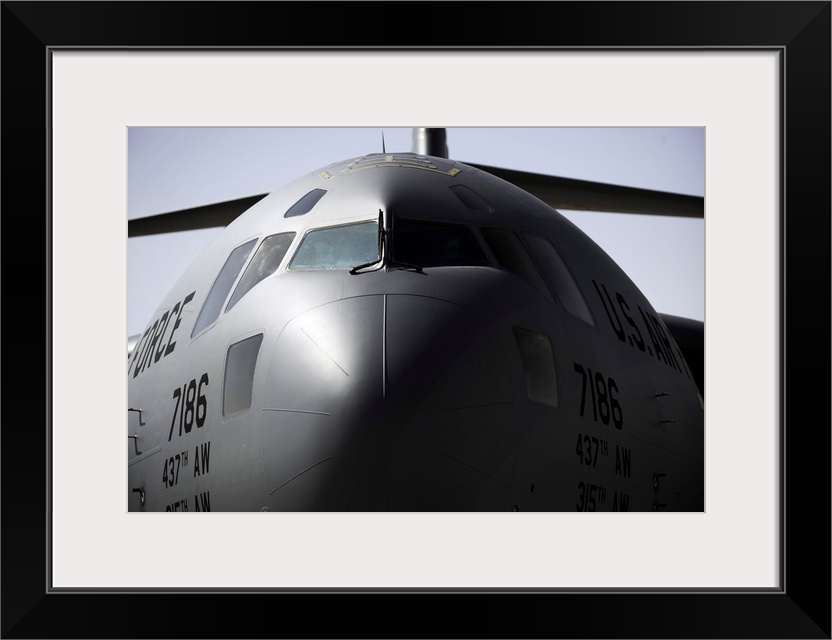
(337, 247)
(412, 244)
(430, 244)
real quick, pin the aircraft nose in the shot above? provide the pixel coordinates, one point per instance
(381, 402)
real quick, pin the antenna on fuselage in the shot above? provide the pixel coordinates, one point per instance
(383, 149)
(430, 141)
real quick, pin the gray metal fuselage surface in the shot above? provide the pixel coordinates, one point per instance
(488, 356)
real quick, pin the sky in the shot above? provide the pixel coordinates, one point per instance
(177, 168)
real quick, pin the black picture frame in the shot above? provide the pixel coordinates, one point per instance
(799, 31)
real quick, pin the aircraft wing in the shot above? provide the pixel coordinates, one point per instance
(583, 195)
(557, 192)
(218, 214)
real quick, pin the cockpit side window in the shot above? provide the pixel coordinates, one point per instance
(429, 244)
(560, 278)
(341, 247)
(222, 285)
(512, 255)
(265, 262)
(470, 198)
(305, 204)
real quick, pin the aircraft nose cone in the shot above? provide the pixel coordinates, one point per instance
(375, 402)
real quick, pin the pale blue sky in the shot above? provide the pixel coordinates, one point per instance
(175, 168)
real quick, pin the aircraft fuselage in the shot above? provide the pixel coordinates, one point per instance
(517, 368)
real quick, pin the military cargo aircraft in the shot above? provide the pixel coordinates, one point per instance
(406, 332)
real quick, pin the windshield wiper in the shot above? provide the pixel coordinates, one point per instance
(386, 257)
(378, 260)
